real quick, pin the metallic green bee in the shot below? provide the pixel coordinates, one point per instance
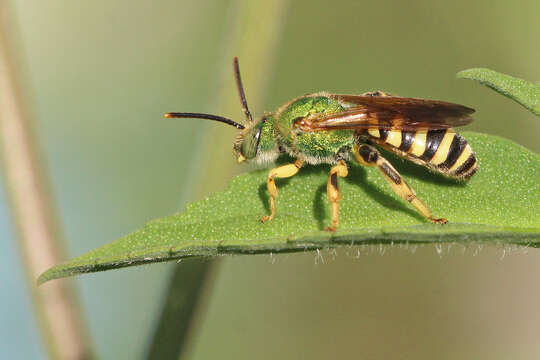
(331, 129)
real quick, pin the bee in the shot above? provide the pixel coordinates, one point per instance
(334, 129)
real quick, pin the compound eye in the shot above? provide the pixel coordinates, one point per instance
(251, 143)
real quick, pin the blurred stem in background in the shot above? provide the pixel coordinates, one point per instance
(183, 293)
(255, 29)
(60, 319)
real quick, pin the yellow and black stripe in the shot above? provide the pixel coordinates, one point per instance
(444, 150)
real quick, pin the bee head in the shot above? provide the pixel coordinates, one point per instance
(247, 142)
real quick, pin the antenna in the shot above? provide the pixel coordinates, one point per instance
(204, 116)
(241, 90)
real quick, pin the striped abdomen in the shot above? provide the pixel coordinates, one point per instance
(444, 150)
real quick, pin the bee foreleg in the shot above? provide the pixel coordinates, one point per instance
(369, 156)
(332, 190)
(284, 171)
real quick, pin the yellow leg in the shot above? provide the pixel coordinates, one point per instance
(369, 156)
(333, 191)
(284, 171)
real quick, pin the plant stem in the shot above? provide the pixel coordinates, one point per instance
(60, 320)
(184, 288)
(255, 30)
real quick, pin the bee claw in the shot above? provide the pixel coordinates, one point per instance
(441, 221)
(266, 218)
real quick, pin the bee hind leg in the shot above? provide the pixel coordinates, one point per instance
(284, 171)
(332, 190)
(369, 156)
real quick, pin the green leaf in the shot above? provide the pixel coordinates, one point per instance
(524, 92)
(500, 204)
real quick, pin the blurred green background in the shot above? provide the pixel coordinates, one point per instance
(99, 75)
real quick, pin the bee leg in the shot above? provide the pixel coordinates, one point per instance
(284, 171)
(333, 191)
(369, 156)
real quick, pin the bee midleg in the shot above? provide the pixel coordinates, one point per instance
(332, 190)
(284, 171)
(369, 156)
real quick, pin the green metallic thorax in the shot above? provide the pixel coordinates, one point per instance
(278, 132)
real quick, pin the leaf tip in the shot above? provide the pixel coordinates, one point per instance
(45, 276)
(522, 91)
(41, 279)
(473, 73)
